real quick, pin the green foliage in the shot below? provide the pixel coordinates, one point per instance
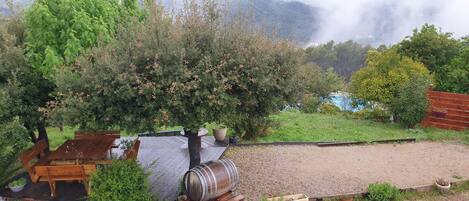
(17, 183)
(310, 104)
(328, 108)
(345, 58)
(443, 55)
(430, 46)
(376, 113)
(13, 140)
(410, 105)
(383, 192)
(121, 181)
(183, 71)
(319, 82)
(454, 77)
(27, 91)
(383, 75)
(58, 31)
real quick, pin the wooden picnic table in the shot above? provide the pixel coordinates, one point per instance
(78, 151)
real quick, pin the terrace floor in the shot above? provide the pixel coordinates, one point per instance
(166, 158)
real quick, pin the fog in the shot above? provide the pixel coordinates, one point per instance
(385, 21)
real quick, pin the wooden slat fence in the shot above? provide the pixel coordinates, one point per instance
(447, 110)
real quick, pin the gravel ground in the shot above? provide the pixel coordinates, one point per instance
(317, 172)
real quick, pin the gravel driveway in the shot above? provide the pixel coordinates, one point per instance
(317, 172)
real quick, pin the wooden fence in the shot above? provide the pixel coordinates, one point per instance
(447, 111)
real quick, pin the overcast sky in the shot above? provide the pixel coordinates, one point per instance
(386, 21)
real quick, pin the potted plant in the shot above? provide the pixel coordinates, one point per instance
(220, 132)
(17, 185)
(443, 185)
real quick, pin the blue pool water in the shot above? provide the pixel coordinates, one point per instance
(345, 102)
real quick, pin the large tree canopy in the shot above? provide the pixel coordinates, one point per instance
(430, 46)
(57, 31)
(186, 70)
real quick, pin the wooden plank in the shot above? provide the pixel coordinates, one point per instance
(452, 100)
(449, 95)
(449, 121)
(437, 104)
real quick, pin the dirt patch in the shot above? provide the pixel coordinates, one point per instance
(317, 172)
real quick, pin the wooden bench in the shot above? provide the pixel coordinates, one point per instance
(27, 159)
(132, 153)
(52, 174)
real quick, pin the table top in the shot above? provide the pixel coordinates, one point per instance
(82, 149)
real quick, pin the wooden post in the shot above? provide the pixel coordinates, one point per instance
(194, 146)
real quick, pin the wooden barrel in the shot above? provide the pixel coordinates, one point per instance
(211, 180)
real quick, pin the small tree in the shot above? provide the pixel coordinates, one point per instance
(320, 82)
(383, 75)
(187, 71)
(410, 104)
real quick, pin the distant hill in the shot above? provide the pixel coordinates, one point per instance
(289, 19)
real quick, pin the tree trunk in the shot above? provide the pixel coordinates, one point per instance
(31, 134)
(41, 128)
(194, 145)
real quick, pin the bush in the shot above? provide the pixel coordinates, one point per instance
(328, 108)
(310, 104)
(383, 192)
(253, 127)
(410, 104)
(123, 180)
(13, 140)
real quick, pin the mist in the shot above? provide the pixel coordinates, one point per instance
(378, 22)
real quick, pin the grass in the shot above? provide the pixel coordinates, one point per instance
(294, 126)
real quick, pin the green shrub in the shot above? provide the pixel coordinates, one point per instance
(379, 114)
(328, 108)
(311, 104)
(13, 140)
(383, 192)
(253, 127)
(410, 105)
(123, 180)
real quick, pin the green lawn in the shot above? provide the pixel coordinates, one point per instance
(294, 126)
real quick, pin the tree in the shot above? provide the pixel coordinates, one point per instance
(17, 79)
(430, 46)
(319, 82)
(383, 74)
(183, 71)
(410, 104)
(56, 32)
(454, 77)
(346, 57)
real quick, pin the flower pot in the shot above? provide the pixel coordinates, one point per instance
(220, 134)
(443, 189)
(16, 189)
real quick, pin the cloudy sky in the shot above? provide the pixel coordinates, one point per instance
(386, 21)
